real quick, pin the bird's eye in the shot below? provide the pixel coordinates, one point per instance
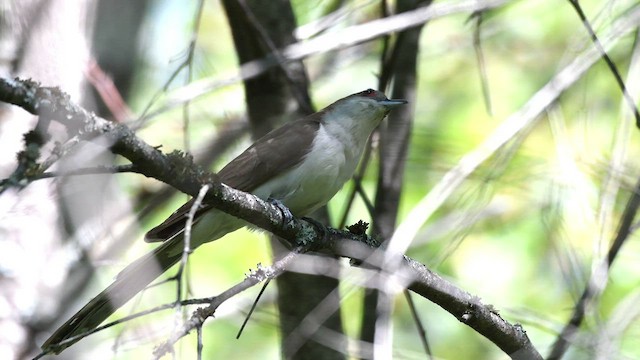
(368, 92)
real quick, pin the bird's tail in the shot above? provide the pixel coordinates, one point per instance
(129, 282)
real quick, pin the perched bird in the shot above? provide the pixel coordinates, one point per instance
(302, 164)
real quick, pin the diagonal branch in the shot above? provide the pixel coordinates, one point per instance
(174, 169)
(202, 314)
(513, 125)
(612, 66)
(178, 171)
(349, 36)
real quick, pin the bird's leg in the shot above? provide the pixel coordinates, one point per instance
(287, 216)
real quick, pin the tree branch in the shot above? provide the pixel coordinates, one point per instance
(202, 314)
(349, 36)
(177, 170)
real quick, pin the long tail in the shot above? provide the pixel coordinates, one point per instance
(129, 282)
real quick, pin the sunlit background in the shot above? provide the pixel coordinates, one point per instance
(523, 232)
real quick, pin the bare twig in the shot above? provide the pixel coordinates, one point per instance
(347, 37)
(422, 333)
(129, 168)
(186, 250)
(232, 130)
(514, 124)
(189, 64)
(253, 308)
(612, 66)
(620, 152)
(144, 117)
(354, 189)
(200, 343)
(482, 68)
(201, 315)
(401, 65)
(468, 309)
(598, 278)
(108, 92)
(597, 281)
(131, 317)
(187, 177)
(298, 92)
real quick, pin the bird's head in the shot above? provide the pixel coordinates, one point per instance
(361, 112)
(368, 104)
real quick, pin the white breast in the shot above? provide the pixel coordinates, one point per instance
(326, 168)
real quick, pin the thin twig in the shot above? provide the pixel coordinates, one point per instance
(108, 92)
(186, 250)
(422, 333)
(253, 307)
(354, 189)
(198, 301)
(200, 343)
(299, 92)
(598, 278)
(96, 170)
(189, 79)
(349, 36)
(59, 151)
(517, 122)
(612, 66)
(145, 116)
(482, 68)
(187, 177)
(199, 316)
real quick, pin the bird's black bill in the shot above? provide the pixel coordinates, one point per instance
(391, 103)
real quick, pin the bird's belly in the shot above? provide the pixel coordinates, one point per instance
(312, 193)
(313, 183)
(302, 191)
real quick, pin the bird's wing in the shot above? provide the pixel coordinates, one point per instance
(268, 157)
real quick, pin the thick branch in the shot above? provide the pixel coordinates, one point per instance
(467, 308)
(187, 177)
(174, 169)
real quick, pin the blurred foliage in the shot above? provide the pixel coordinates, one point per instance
(521, 233)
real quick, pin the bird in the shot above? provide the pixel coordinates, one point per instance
(301, 165)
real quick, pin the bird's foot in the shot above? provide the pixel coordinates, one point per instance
(287, 216)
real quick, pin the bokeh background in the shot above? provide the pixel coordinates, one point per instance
(524, 231)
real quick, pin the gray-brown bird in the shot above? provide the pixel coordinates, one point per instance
(302, 164)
